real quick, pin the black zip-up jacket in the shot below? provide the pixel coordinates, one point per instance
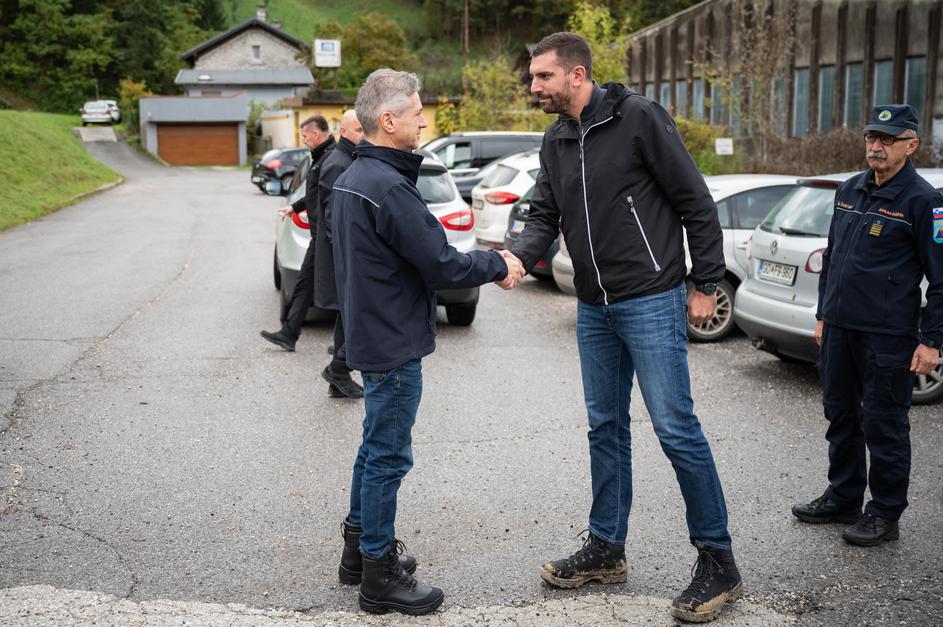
(391, 255)
(325, 288)
(310, 200)
(881, 243)
(623, 189)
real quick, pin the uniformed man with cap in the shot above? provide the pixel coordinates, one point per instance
(886, 235)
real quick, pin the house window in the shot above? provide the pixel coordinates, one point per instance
(665, 98)
(681, 97)
(650, 91)
(778, 97)
(735, 95)
(826, 97)
(698, 95)
(256, 54)
(800, 117)
(854, 93)
(883, 80)
(915, 82)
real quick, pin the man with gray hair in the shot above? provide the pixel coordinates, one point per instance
(391, 255)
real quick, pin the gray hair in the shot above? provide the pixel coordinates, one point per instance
(384, 90)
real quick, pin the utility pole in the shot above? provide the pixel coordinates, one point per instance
(465, 34)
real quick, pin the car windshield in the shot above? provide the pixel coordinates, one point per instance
(95, 105)
(435, 186)
(501, 175)
(806, 211)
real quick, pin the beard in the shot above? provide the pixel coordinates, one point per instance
(559, 102)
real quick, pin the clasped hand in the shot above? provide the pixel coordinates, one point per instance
(515, 271)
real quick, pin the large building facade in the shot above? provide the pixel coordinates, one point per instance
(799, 66)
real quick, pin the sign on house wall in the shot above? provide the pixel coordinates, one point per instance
(327, 53)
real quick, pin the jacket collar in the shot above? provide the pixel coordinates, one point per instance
(892, 188)
(602, 105)
(406, 163)
(347, 146)
(318, 150)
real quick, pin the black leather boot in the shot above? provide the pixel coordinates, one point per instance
(351, 568)
(386, 586)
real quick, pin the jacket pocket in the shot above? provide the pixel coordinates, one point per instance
(641, 230)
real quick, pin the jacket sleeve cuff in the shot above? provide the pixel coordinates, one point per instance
(934, 340)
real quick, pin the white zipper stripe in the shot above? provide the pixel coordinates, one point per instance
(642, 231)
(350, 191)
(589, 231)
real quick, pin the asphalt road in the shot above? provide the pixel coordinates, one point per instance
(153, 446)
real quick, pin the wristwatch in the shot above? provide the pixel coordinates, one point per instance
(707, 288)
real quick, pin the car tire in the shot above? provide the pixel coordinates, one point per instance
(276, 271)
(928, 389)
(722, 324)
(461, 315)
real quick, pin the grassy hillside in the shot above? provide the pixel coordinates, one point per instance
(298, 17)
(43, 165)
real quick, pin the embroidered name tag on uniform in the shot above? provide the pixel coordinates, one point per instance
(845, 205)
(876, 227)
(938, 225)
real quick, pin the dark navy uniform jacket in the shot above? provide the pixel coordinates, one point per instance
(390, 256)
(881, 243)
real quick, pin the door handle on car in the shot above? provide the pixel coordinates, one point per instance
(742, 245)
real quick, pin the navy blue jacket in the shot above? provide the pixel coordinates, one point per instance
(881, 244)
(390, 256)
(325, 289)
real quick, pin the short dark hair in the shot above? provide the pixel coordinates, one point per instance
(571, 49)
(318, 120)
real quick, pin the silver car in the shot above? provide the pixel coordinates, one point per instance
(97, 111)
(776, 303)
(437, 189)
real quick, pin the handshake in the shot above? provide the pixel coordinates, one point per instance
(515, 271)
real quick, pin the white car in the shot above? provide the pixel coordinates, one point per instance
(493, 198)
(97, 111)
(562, 267)
(437, 189)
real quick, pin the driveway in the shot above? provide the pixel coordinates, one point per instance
(159, 459)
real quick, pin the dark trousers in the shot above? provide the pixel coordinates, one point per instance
(866, 391)
(302, 296)
(339, 362)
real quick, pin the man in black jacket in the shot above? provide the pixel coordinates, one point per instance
(391, 256)
(617, 179)
(315, 134)
(337, 373)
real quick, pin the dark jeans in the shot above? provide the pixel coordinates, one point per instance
(866, 391)
(302, 296)
(645, 337)
(391, 400)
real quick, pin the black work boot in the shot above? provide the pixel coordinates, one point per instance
(597, 560)
(715, 582)
(386, 586)
(871, 530)
(281, 338)
(351, 568)
(825, 510)
(342, 383)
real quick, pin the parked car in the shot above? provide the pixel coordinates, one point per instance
(776, 303)
(493, 198)
(437, 189)
(277, 165)
(96, 112)
(113, 108)
(468, 182)
(518, 217)
(464, 154)
(563, 269)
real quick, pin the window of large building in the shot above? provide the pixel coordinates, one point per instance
(854, 94)
(664, 99)
(735, 126)
(826, 97)
(915, 78)
(800, 108)
(883, 83)
(778, 96)
(681, 98)
(650, 91)
(698, 94)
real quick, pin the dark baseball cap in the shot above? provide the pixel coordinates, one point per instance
(892, 119)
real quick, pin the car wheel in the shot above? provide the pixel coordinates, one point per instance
(928, 388)
(722, 324)
(286, 181)
(276, 271)
(461, 315)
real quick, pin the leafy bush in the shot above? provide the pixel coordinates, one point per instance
(699, 138)
(130, 93)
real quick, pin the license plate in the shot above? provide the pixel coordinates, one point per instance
(777, 272)
(477, 203)
(517, 226)
(256, 179)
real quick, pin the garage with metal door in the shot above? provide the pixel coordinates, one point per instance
(196, 131)
(198, 144)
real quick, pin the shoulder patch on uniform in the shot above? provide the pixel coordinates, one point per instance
(938, 231)
(937, 213)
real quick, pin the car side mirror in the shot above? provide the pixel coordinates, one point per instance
(274, 188)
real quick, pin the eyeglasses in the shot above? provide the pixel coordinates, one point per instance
(887, 140)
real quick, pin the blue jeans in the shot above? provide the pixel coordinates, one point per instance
(645, 337)
(391, 400)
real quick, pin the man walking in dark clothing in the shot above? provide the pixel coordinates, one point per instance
(392, 255)
(316, 135)
(615, 176)
(337, 373)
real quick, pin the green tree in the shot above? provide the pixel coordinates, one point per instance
(495, 100)
(130, 93)
(596, 24)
